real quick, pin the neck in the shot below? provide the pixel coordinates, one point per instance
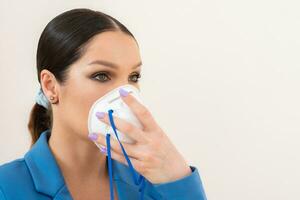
(76, 156)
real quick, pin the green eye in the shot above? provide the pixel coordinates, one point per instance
(102, 77)
(135, 78)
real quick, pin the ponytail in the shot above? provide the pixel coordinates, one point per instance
(40, 120)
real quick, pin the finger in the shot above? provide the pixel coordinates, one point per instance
(118, 157)
(137, 164)
(142, 113)
(124, 126)
(130, 149)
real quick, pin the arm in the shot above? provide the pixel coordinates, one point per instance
(2, 197)
(187, 188)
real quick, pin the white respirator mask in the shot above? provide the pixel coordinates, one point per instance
(112, 100)
(113, 104)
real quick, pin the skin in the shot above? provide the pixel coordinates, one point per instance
(81, 162)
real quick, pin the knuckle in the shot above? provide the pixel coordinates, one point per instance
(117, 148)
(128, 128)
(149, 158)
(156, 144)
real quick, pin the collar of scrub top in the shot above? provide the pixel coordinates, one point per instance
(48, 178)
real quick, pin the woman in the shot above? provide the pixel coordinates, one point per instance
(82, 54)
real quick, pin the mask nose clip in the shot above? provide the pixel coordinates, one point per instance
(138, 180)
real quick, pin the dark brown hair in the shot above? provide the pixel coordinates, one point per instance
(61, 43)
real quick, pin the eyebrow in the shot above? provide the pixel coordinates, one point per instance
(112, 65)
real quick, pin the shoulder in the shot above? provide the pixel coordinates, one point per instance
(12, 171)
(15, 179)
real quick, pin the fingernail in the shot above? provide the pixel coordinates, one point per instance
(123, 92)
(100, 115)
(103, 150)
(93, 136)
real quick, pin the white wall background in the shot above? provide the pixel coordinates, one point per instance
(229, 68)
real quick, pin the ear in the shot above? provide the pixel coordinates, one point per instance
(49, 84)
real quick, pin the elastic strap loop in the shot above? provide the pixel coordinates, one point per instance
(137, 180)
(109, 166)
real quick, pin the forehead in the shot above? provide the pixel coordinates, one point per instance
(114, 46)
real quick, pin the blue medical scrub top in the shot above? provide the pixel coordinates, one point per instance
(37, 176)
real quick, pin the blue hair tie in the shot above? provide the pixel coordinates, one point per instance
(41, 99)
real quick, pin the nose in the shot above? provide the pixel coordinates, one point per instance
(121, 83)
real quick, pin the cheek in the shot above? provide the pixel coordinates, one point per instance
(74, 107)
(77, 101)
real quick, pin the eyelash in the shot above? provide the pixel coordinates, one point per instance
(138, 75)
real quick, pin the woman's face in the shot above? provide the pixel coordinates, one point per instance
(111, 59)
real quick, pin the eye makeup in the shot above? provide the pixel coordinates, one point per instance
(104, 76)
